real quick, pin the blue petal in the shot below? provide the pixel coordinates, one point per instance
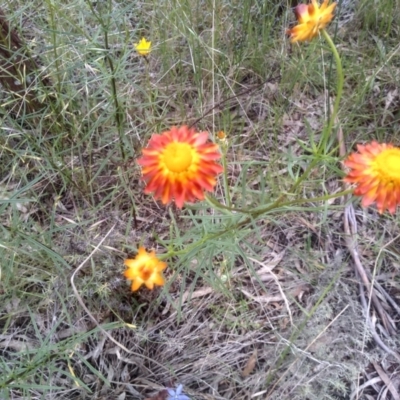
(179, 389)
(171, 392)
(176, 395)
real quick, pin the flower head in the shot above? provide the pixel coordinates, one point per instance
(176, 394)
(146, 269)
(375, 169)
(143, 47)
(180, 165)
(221, 135)
(311, 18)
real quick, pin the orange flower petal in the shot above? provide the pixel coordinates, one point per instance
(136, 283)
(179, 165)
(375, 170)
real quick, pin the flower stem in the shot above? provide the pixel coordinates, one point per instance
(339, 88)
(278, 204)
(118, 109)
(328, 128)
(224, 148)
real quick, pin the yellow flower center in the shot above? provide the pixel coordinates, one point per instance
(178, 157)
(388, 164)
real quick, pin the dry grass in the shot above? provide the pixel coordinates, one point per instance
(268, 308)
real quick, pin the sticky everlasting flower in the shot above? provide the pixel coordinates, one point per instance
(375, 169)
(311, 18)
(180, 165)
(146, 269)
(143, 47)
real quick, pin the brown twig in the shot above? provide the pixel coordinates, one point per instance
(350, 229)
(374, 333)
(234, 97)
(388, 382)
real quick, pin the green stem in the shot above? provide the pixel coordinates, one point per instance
(276, 204)
(225, 175)
(339, 88)
(328, 129)
(119, 113)
(254, 214)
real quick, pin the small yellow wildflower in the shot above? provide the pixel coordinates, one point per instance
(146, 269)
(143, 47)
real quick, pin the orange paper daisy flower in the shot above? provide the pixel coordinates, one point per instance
(311, 18)
(146, 269)
(375, 170)
(180, 165)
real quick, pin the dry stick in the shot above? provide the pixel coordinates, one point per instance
(275, 278)
(375, 268)
(235, 96)
(350, 226)
(385, 294)
(387, 380)
(371, 382)
(374, 333)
